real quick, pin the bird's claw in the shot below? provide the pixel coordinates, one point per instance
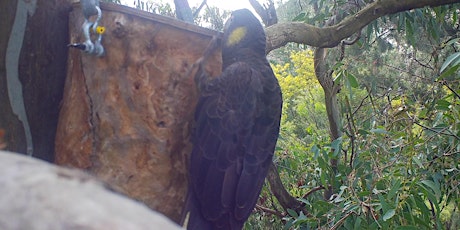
(212, 46)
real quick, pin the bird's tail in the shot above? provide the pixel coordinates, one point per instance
(192, 218)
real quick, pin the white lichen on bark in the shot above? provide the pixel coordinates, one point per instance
(24, 9)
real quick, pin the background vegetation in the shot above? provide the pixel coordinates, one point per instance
(398, 157)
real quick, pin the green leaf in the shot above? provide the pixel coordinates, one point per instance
(288, 224)
(455, 16)
(448, 72)
(394, 189)
(352, 80)
(379, 131)
(442, 105)
(305, 201)
(433, 186)
(336, 145)
(452, 41)
(300, 17)
(385, 206)
(301, 216)
(357, 224)
(433, 29)
(338, 77)
(390, 213)
(410, 32)
(407, 228)
(418, 162)
(453, 58)
(365, 193)
(402, 19)
(420, 203)
(315, 150)
(363, 132)
(292, 213)
(323, 178)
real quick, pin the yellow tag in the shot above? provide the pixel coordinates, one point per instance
(236, 36)
(100, 30)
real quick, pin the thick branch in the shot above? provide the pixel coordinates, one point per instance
(276, 186)
(280, 34)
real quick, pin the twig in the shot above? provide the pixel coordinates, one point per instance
(269, 211)
(360, 104)
(453, 91)
(338, 223)
(434, 215)
(436, 131)
(353, 41)
(352, 137)
(312, 191)
(197, 11)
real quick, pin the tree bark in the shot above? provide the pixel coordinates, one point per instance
(282, 195)
(183, 11)
(36, 69)
(36, 195)
(280, 34)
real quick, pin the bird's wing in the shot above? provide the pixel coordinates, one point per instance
(231, 152)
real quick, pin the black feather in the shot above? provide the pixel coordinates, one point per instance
(237, 124)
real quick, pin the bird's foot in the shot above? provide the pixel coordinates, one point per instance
(210, 49)
(212, 46)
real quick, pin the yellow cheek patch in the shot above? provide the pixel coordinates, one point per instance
(236, 36)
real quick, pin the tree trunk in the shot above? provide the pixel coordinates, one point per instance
(126, 116)
(33, 54)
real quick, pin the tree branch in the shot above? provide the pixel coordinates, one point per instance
(183, 10)
(267, 13)
(317, 188)
(197, 11)
(270, 211)
(280, 34)
(284, 198)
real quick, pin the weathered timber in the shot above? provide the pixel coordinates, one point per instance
(126, 116)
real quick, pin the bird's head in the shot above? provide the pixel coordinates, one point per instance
(242, 33)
